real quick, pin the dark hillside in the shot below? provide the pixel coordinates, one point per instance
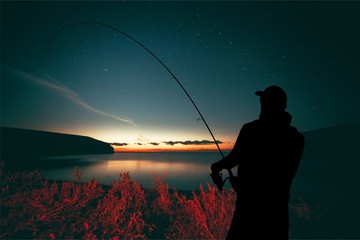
(16, 144)
(328, 180)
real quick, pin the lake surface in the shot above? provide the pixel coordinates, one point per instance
(181, 170)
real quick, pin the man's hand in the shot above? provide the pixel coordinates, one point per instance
(216, 175)
(217, 179)
(215, 168)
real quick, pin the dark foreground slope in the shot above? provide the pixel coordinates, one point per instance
(328, 180)
(16, 144)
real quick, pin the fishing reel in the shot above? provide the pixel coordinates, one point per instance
(217, 180)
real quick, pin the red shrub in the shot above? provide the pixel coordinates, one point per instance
(119, 213)
(207, 215)
(31, 207)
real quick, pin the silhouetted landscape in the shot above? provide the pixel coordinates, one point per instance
(107, 109)
(26, 146)
(328, 180)
(324, 202)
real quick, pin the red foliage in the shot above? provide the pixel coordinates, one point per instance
(31, 207)
(207, 215)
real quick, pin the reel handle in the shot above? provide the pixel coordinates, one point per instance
(217, 180)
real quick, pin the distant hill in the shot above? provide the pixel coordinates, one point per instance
(17, 144)
(332, 157)
(328, 180)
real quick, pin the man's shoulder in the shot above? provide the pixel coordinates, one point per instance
(251, 128)
(296, 134)
(251, 125)
(256, 124)
(294, 130)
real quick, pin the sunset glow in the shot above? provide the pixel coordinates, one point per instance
(164, 148)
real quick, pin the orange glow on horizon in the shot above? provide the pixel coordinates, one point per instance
(180, 148)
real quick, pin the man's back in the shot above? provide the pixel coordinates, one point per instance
(269, 155)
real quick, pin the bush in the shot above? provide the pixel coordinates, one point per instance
(32, 207)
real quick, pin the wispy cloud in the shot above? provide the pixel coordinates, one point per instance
(55, 85)
(189, 142)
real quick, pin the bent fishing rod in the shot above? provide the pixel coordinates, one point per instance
(217, 179)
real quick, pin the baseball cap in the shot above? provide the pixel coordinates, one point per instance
(273, 95)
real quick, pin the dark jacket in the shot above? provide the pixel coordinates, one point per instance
(267, 152)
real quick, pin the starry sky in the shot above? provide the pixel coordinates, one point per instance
(91, 80)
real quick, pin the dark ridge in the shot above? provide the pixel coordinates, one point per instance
(22, 144)
(333, 146)
(331, 159)
(328, 179)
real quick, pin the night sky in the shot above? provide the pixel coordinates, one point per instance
(93, 81)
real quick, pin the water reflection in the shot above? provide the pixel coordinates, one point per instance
(181, 172)
(177, 175)
(155, 167)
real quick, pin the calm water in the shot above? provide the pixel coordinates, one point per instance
(185, 170)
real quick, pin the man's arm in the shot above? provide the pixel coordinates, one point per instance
(232, 159)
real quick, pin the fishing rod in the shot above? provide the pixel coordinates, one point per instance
(217, 181)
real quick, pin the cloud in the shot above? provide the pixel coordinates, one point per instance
(144, 141)
(56, 86)
(189, 142)
(172, 143)
(119, 144)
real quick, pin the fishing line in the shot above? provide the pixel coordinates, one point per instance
(158, 59)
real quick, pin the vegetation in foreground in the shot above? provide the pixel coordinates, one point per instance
(33, 207)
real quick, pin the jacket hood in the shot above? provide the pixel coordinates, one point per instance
(281, 118)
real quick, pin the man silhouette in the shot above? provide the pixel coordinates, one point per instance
(267, 152)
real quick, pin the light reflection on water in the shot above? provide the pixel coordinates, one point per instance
(181, 170)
